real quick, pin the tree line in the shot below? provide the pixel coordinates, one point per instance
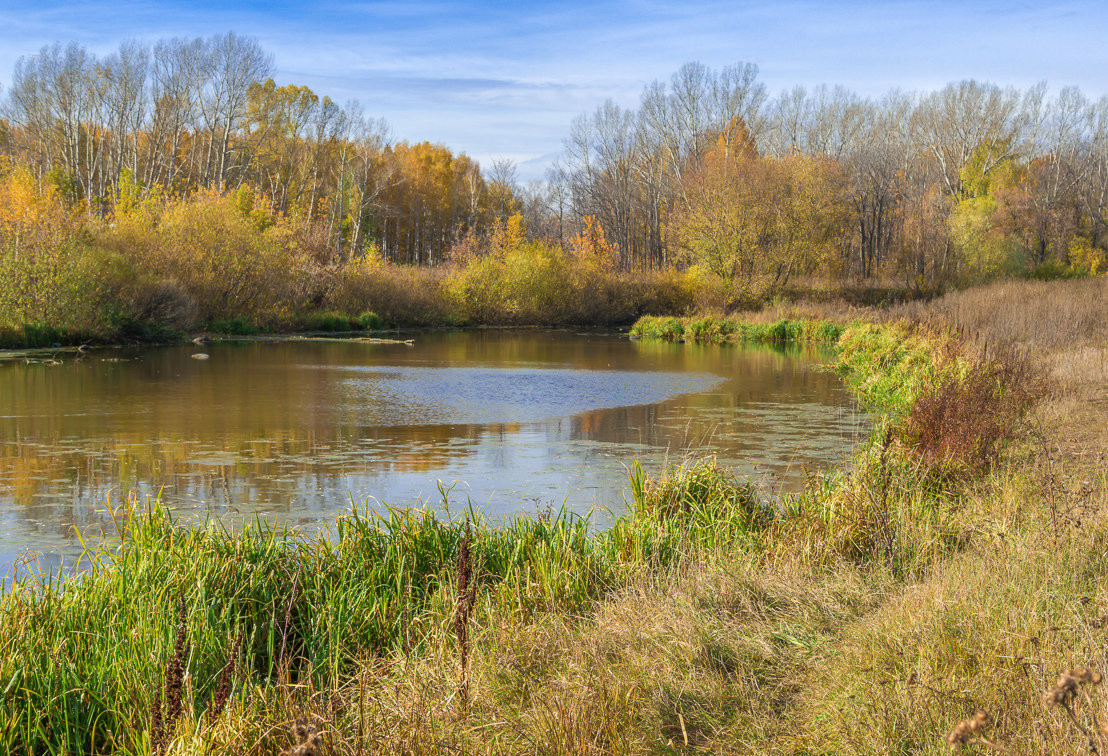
(970, 180)
(185, 115)
(708, 171)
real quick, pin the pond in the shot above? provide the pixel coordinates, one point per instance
(295, 431)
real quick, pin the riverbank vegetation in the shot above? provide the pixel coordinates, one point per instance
(174, 188)
(954, 566)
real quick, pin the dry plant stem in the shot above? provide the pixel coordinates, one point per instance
(1094, 739)
(981, 740)
(466, 595)
(282, 661)
(1065, 690)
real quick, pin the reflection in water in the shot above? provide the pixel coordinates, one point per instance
(296, 430)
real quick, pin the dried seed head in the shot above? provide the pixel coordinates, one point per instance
(309, 741)
(1085, 675)
(1063, 690)
(1067, 684)
(962, 731)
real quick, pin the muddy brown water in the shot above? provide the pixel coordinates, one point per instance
(297, 431)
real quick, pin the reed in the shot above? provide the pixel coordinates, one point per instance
(302, 606)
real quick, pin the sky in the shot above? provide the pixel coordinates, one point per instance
(505, 79)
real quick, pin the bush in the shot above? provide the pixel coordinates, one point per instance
(961, 422)
(231, 262)
(370, 321)
(399, 294)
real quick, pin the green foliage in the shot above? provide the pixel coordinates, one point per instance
(328, 321)
(888, 366)
(1053, 270)
(667, 328)
(34, 336)
(721, 330)
(336, 322)
(232, 326)
(705, 503)
(370, 321)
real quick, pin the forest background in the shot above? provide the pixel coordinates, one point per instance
(168, 188)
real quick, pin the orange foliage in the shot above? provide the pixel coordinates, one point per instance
(591, 247)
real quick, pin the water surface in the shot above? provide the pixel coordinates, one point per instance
(296, 431)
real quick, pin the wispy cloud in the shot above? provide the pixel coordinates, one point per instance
(506, 79)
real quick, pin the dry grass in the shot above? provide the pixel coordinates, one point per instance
(1041, 316)
(880, 617)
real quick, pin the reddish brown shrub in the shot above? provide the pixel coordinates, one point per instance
(963, 422)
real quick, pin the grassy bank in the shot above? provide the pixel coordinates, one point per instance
(955, 565)
(736, 330)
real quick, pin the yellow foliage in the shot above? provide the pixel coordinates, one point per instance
(32, 215)
(591, 247)
(44, 277)
(228, 252)
(507, 236)
(1086, 258)
(749, 216)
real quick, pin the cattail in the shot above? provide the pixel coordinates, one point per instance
(226, 678)
(175, 671)
(169, 704)
(467, 594)
(157, 725)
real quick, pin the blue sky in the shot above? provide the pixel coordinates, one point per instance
(505, 79)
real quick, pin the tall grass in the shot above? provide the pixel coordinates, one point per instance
(82, 656)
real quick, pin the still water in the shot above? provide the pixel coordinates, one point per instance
(513, 421)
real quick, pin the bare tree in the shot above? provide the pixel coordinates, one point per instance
(954, 122)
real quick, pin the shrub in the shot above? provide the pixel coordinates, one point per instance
(961, 421)
(370, 321)
(400, 294)
(229, 261)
